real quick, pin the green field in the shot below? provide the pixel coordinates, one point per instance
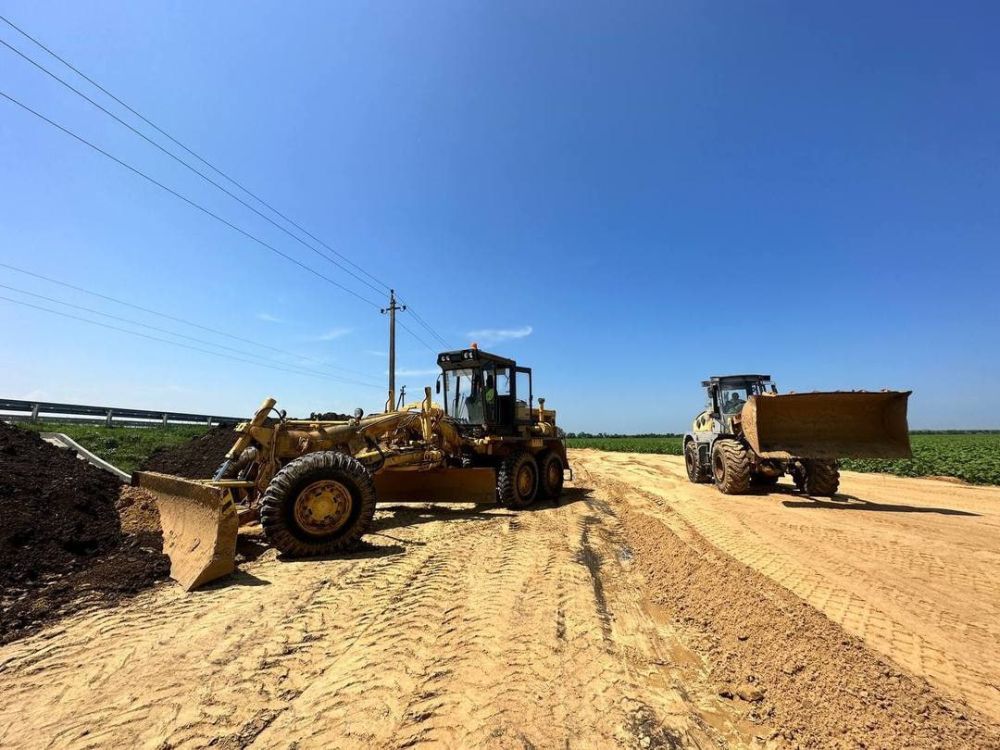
(125, 447)
(971, 457)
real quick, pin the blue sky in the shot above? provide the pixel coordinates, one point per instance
(627, 197)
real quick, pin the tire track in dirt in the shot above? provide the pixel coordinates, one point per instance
(461, 628)
(917, 581)
(819, 686)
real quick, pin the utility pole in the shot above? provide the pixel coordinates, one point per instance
(391, 309)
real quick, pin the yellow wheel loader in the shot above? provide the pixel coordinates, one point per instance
(750, 435)
(313, 484)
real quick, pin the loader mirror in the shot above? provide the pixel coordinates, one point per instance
(437, 385)
(358, 413)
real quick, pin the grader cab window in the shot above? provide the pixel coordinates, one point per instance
(478, 395)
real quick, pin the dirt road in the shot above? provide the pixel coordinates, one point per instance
(610, 620)
(911, 566)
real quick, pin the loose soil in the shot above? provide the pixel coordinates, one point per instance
(199, 458)
(61, 543)
(639, 612)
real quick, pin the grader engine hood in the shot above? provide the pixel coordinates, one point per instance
(832, 425)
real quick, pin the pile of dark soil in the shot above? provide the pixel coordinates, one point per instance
(61, 541)
(198, 458)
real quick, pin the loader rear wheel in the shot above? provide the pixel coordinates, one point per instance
(692, 462)
(730, 467)
(550, 465)
(821, 478)
(318, 504)
(517, 480)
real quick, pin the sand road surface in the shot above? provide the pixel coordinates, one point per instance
(639, 612)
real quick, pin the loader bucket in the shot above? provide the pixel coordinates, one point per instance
(857, 424)
(199, 524)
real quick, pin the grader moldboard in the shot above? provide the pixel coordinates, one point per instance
(750, 435)
(313, 485)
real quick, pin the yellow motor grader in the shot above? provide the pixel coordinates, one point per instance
(313, 484)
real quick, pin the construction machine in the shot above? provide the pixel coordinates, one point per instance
(748, 434)
(313, 484)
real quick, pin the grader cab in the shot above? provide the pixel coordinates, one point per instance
(313, 484)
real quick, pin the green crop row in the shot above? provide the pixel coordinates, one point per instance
(971, 457)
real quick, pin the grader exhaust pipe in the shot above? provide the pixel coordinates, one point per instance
(834, 425)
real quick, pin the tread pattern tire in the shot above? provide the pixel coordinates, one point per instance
(507, 472)
(697, 473)
(821, 478)
(730, 466)
(550, 480)
(276, 509)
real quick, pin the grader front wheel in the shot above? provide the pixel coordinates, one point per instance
(318, 504)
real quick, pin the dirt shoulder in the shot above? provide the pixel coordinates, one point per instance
(783, 660)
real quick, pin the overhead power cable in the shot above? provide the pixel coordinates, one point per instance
(177, 319)
(176, 158)
(197, 156)
(426, 325)
(403, 325)
(92, 311)
(258, 363)
(187, 200)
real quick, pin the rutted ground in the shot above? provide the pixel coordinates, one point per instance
(627, 616)
(459, 627)
(911, 566)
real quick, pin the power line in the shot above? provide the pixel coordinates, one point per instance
(174, 343)
(188, 150)
(426, 325)
(405, 328)
(177, 319)
(214, 168)
(187, 200)
(171, 333)
(184, 163)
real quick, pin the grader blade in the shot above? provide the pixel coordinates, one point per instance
(856, 424)
(199, 524)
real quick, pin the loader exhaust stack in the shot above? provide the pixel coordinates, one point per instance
(828, 425)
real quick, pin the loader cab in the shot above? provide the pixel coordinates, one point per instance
(728, 393)
(479, 388)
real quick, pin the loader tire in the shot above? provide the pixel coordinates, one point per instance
(730, 466)
(550, 473)
(318, 504)
(821, 478)
(517, 480)
(692, 462)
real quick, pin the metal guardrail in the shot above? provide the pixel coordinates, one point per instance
(42, 411)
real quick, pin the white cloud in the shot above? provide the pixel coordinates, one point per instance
(333, 333)
(268, 318)
(494, 335)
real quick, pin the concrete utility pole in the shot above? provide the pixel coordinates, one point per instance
(391, 309)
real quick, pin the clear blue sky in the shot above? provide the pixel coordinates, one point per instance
(629, 196)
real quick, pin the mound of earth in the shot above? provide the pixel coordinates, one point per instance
(61, 540)
(198, 458)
